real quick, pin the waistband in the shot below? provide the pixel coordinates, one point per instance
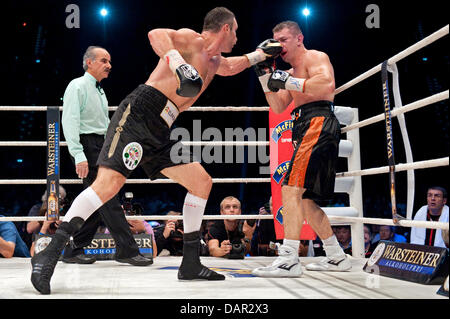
(169, 110)
(316, 108)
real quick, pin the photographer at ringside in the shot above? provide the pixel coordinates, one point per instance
(169, 236)
(230, 238)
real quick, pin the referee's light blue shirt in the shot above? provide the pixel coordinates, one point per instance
(85, 111)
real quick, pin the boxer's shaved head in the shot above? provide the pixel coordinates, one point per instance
(291, 25)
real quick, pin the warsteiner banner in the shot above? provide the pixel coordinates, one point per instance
(52, 163)
(417, 263)
(281, 151)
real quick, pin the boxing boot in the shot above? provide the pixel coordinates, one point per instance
(44, 263)
(287, 264)
(191, 268)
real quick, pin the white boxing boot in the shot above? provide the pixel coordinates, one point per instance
(286, 265)
(335, 260)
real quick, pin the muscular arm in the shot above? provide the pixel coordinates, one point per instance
(232, 65)
(163, 40)
(321, 77)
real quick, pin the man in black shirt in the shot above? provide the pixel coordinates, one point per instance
(223, 232)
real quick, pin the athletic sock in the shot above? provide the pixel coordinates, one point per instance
(193, 210)
(292, 243)
(84, 205)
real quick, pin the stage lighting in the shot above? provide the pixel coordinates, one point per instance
(306, 12)
(103, 12)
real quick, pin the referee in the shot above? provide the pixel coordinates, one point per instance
(85, 122)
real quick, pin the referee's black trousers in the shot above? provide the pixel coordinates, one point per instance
(111, 212)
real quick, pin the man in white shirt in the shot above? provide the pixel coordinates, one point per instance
(435, 210)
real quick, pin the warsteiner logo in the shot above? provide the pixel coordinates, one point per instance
(280, 171)
(280, 129)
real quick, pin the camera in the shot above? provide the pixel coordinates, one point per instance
(129, 208)
(237, 246)
(176, 233)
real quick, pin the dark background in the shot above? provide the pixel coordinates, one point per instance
(335, 27)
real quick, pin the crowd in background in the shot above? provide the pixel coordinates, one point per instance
(17, 239)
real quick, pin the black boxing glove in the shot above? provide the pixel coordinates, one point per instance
(189, 81)
(268, 48)
(283, 80)
(264, 71)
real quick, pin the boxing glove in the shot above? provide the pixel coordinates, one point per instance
(283, 80)
(268, 48)
(189, 80)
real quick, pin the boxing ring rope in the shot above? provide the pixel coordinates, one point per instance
(349, 182)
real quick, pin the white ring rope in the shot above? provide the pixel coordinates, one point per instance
(396, 111)
(399, 56)
(328, 210)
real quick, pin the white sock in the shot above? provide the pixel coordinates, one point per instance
(332, 247)
(292, 243)
(86, 203)
(193, 210)
(331, 241)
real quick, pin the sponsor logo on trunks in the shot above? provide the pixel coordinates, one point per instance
(280, 171)
(280, 129)
(169, 113)
(132, 155)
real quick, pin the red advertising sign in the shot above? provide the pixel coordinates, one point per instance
(281, 150)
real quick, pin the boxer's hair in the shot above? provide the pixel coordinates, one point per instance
(438, 188)
(90, 54)
(216, 18)
(291, 25)
(229, 198)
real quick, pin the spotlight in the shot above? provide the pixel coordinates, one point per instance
(306, 12)
(103, 12)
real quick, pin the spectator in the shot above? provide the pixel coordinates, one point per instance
(388, 233)
(369, 246)
(224, 235)
(344, 237)
(11, 244)
(169, 236)
(435, 210)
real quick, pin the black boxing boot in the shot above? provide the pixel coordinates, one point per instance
(191, 268)
(44, 263)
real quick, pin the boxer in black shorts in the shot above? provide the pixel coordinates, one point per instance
(315, 135)
(139, 135)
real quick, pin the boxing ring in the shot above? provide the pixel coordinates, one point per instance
(108, 279)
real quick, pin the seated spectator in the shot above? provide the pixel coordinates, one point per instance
(11, 244)
(388, 233)
(230, 238)
(344, 237)
(369, 247)
(435, 210)
(169, 236)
